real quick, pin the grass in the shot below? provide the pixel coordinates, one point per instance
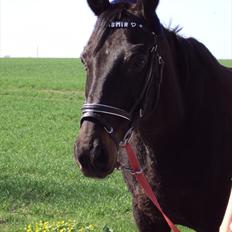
(40, 102)
(227, 63)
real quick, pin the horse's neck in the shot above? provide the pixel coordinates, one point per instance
(189, 92)
(164, 123)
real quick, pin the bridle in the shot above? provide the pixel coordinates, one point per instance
(95, 111)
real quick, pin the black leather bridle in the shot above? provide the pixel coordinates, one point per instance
(95, 112)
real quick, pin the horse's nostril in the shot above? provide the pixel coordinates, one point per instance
(83, 160)
(93, 159)
(99, 160)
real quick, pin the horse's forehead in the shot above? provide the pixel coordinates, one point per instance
(107, 37)
(116, 40)
(118, 37)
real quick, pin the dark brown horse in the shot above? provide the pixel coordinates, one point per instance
(178, 100)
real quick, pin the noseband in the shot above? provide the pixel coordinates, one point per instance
(95, 111)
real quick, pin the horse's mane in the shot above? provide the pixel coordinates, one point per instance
(101, 30)
(192, 56)
(193, 46)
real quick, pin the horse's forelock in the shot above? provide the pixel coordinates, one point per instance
(102, 30)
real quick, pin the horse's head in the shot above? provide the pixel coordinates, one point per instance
(118, 60)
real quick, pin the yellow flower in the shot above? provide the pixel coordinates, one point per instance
(81, 229)
(62, 222)
(91, 227)
(36, 227)
(28, 228)
(45, 226)
(70, 228)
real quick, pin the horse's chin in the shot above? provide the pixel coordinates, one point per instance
(92, 171)
(96, 174)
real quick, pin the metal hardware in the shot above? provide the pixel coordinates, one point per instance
(109, 130)
(133, 172)
(160, 59)
(141, 113)
(127, 137)
(154, 48)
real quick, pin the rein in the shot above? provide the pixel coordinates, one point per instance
(143, 182)
(95, 111)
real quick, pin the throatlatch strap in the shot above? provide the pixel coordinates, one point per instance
(142, 180)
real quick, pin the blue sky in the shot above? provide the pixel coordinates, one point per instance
(60, 28)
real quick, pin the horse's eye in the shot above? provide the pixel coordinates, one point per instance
(137, 63)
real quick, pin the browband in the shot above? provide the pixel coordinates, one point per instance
(158, 28)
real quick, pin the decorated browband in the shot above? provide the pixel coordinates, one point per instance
(125, 24)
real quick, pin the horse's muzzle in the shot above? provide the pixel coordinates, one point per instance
(95, 153)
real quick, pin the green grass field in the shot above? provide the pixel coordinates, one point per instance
(40, 102)
(227, 63)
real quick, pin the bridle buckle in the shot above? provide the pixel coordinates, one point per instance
(127, 137)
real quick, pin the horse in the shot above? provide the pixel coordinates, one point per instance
(171, 99)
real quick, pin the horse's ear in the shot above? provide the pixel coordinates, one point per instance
(147, 8)
(98, 6)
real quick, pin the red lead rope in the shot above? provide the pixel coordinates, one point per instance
(142, 180)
